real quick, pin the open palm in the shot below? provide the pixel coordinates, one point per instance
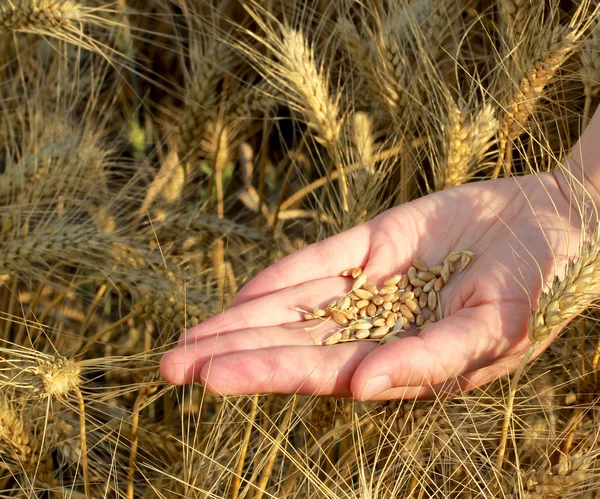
(521, 234)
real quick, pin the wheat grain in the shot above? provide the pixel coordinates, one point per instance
(379, 314)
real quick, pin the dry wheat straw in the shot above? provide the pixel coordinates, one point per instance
(468, 136)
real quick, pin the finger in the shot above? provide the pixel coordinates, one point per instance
(326, 258)
(303, 370)
(178, 365)
(462, 343)
(270, 310)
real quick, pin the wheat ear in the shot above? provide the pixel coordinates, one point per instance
(466, 141)
(557, 47)
(515, 14)
(563, 478)
(567, 298)
(43, 16)
(306, 80)
(590, 70)
(208, 64)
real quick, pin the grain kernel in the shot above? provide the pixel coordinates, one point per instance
(344, 303)
(413, 306)
(423, 300)
(377, 300)
(362, 303)
(388, 298)
(419, 265)
(363, 294)
(403, 282)
(340, 318)
(420, 320)
(362, 334)
(418, 292)
(396, 306)
(379, 333)
(406, 313)
(393, 280)
(361, 324)
(429, 286)
(380, 322)
(334, 338)
(388, 290)
(391, 320)
(412, 273)
(356, 272)
(372, 310)
(363, 313)
(388, 305)
(437, 270)
(417, 283)
(432, 300)
(408, 295)
(371, 288)
(439, 284)
(359, 282)
(346, 335)
(426, 276)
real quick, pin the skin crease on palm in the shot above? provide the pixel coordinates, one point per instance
(522, 230)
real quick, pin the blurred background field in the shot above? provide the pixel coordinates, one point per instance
(157, 155)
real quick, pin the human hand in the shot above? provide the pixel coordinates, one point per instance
(521, 233)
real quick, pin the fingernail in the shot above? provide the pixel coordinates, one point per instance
(375, 386)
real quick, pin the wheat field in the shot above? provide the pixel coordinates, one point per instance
(155, 156)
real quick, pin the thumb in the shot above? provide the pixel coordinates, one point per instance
(449, 348)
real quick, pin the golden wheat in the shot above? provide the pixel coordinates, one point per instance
(40, 15)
